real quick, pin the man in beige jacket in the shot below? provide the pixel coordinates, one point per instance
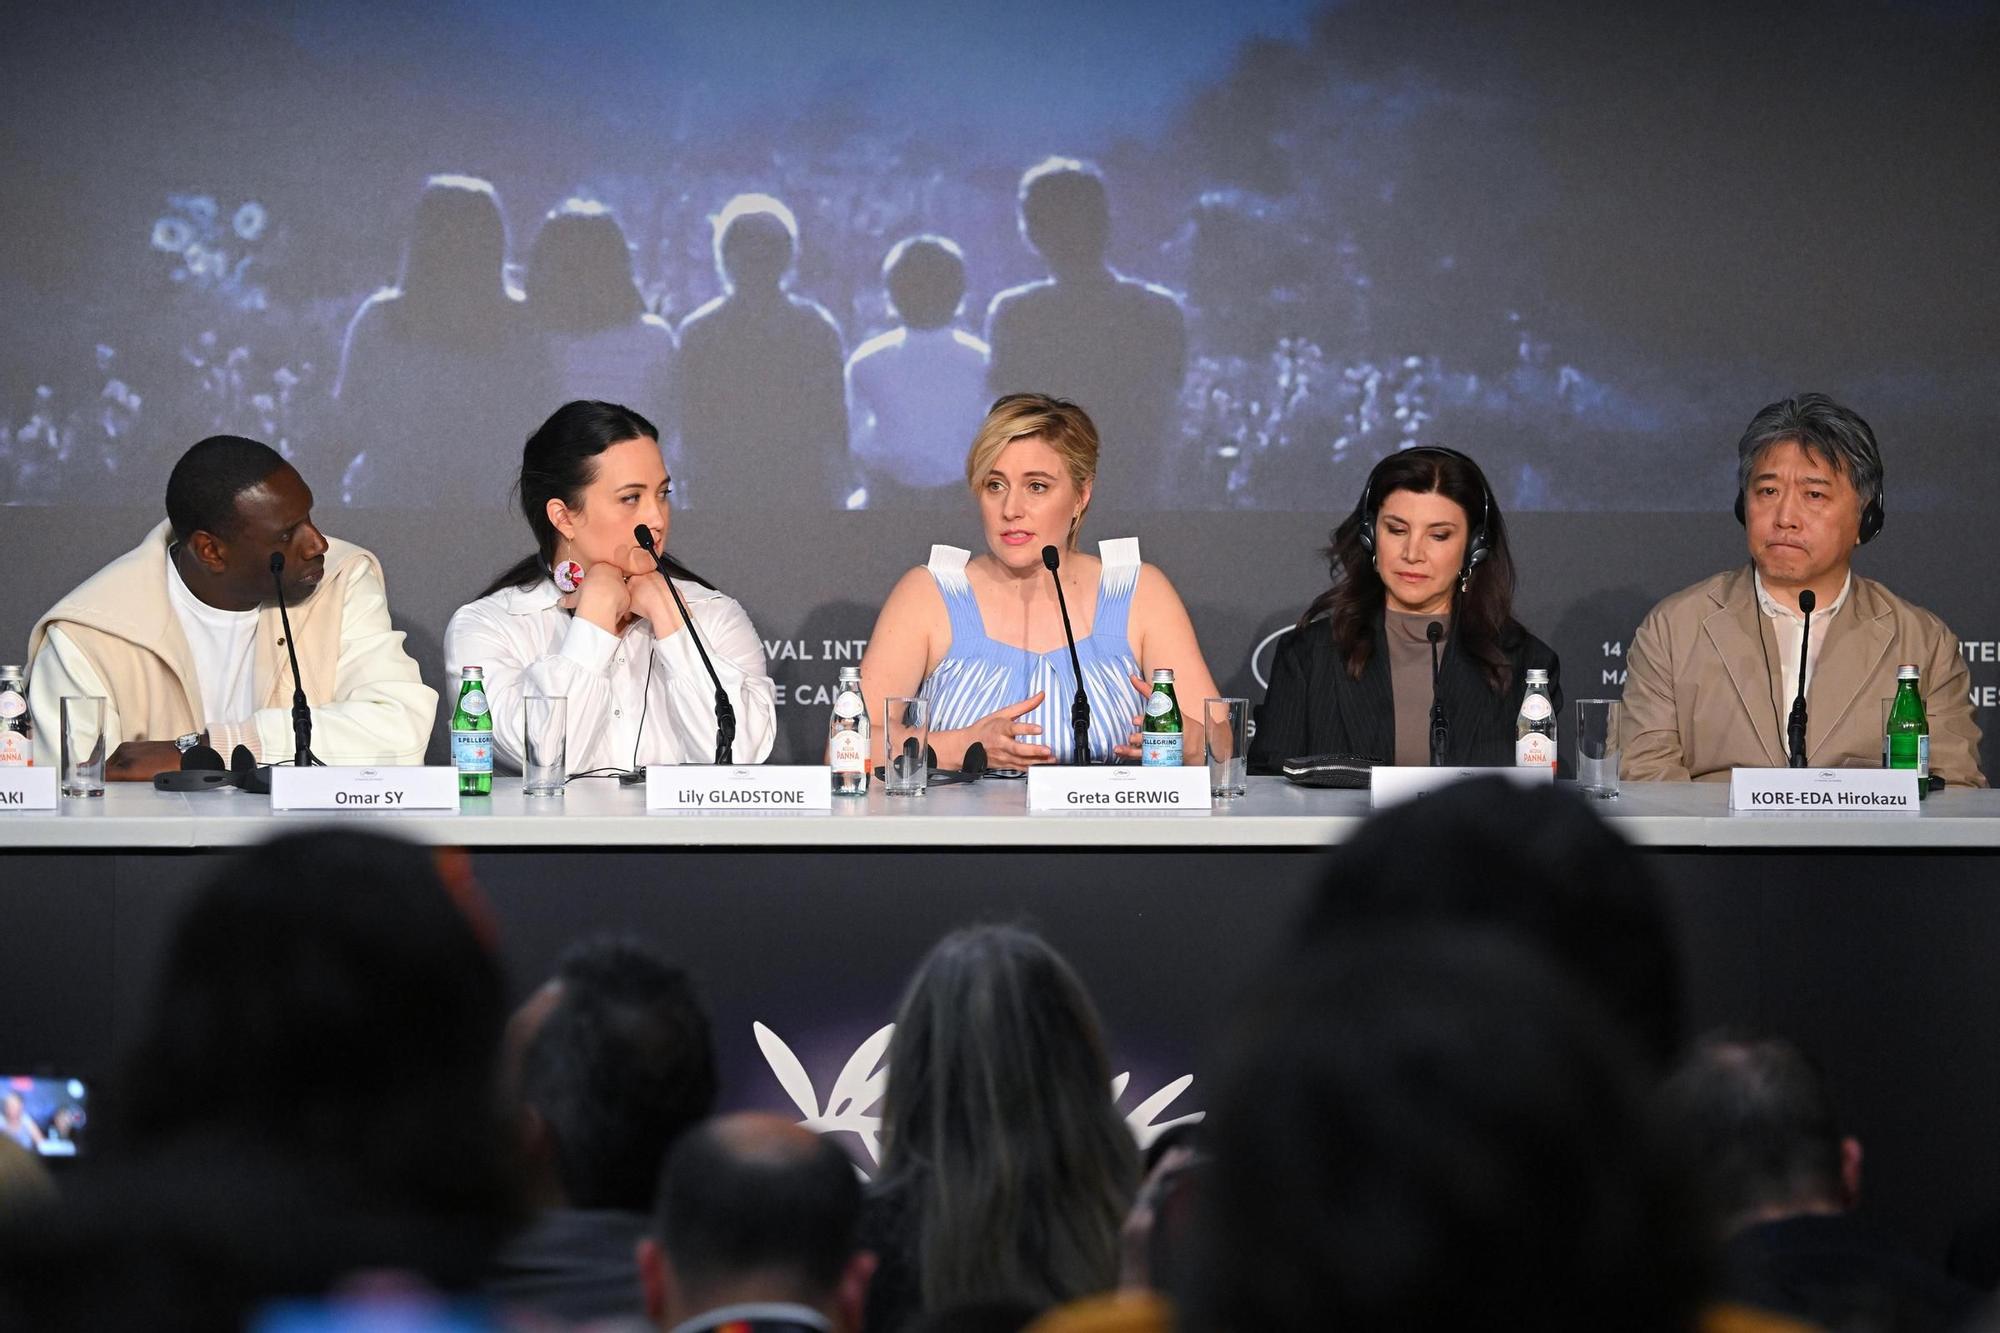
(182, 639)
(1713, 670)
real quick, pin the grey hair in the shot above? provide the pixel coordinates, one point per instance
(1822, 428)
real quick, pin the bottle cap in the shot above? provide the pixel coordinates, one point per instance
(1907, 671)
(472, 673)
(1163, 676)
(850, 673)
(1537, 676)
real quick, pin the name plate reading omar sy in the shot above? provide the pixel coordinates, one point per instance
(28, 789)
(1053, 787)
(392, 787)
(721, 787)
(1852, 791)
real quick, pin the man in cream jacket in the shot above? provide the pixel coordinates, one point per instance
(182, 639)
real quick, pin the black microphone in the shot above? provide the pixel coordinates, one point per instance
(302, 722)
(1796, 728)
(725, 712)
(1440, 723)
(1079, 708)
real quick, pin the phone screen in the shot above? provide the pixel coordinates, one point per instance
(48, 1116)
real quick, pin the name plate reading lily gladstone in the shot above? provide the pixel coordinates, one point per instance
(393, 787)
(1852, 791)
(720, 787)
(1123, 790)
(27, 789)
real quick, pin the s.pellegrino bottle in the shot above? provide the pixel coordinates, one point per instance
(847, 736)
(1160, 738)
(1535, 725)
(1907, 743)
(17, 748)
(472, 734)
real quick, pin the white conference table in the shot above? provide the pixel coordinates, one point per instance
(1272, 814)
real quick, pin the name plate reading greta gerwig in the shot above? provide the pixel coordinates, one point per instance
(1824, 791)
(391, 787)
(1125, 790)
(723, 787)
(28, 789)
(1393, 784)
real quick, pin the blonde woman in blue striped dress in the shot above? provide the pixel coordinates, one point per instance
(981, 636)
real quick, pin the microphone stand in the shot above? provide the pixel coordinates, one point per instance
(1440, 723)
(1795, 728)
(725, 712)
(302, 723)
(1079, 708)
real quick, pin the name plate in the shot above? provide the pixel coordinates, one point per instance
(1820, 791)
(1054, 788)
(1393, 784)
(723, 787)
(28, 789)
(392, 787)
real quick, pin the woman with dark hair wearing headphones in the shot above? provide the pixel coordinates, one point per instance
(588, 617)
(1426, 545)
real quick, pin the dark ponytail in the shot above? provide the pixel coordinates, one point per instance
(557, 463)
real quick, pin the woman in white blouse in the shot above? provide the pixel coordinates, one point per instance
(589, 617)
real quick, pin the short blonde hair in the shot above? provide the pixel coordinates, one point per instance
(1057, 422)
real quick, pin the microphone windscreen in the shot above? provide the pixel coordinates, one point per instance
(1806, 600)
(644, 536)
(277, 562)
(203, 757)
(1051, 557)
(1434, 631)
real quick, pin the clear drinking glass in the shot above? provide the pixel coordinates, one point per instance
(906, 737)
(1597, 752)
(544, 745)
(82, 745)
(1225, 725)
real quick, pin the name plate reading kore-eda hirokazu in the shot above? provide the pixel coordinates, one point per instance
(28, 789)
(1393, 784)
(1059, 787)
(723, 787)
(392, 787)
(1851, 791)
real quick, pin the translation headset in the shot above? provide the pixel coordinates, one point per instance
(1871, 515)
(1478, 546)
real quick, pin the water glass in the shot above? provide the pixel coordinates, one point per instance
(1597, 752)
(544, 745)
(1225, 725)
(82, 745)
(906, 769)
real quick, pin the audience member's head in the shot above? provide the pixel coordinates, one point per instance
(925, 278)
(1066, 216)
(454, 268)
(1532, 860)
(1430, 1128)
(754, 1209)
(580, 270)
(1001, 1140)
(1755, 1114)
(25, 1184)
(756, 240)
(616, 1063)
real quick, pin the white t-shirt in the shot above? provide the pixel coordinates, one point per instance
(224, 646)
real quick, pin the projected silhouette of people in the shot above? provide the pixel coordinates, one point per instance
(917, 393)
(598, 341)
(1089, 334)
(444, 345)
(763, 407)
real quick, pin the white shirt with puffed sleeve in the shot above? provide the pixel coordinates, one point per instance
(527, 643)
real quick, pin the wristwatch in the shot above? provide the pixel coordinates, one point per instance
(187, 742)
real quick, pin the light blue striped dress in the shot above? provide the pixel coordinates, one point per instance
(979, 676)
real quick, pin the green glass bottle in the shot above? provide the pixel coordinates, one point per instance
(472, 735)
(1160, 739)
(1907, 743)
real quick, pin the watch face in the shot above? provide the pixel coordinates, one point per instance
(187, 742)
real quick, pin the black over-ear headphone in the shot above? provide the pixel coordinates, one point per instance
(1871, 515)
(1477, 547)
